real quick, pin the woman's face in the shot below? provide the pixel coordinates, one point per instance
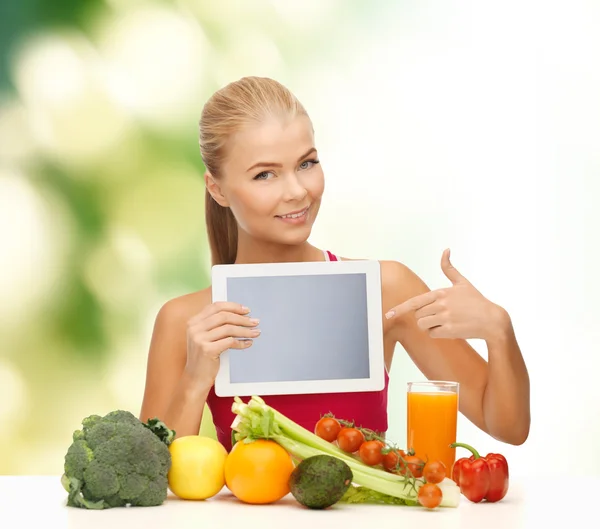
(272, 180)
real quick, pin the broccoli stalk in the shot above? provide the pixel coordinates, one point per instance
(117, 460)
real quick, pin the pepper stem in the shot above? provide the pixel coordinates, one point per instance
(468, 447)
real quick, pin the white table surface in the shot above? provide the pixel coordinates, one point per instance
(39, 501)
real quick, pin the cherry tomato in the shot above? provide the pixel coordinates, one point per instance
(414, 464)
(328, 428)
(350, 439)
(430, 495)
(370, 452)
(390, 460)
(434, 471)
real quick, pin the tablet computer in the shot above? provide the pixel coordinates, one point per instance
(321, 328)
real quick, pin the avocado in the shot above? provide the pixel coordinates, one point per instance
(320, 481)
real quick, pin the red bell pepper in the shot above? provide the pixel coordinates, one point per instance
(481, 478)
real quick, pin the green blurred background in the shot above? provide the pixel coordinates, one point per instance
(440, 123)
(102, 192)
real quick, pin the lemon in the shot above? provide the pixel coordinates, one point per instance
(197, 467)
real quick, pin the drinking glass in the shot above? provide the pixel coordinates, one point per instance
(432, 414)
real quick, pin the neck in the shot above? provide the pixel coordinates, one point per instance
(252, 251)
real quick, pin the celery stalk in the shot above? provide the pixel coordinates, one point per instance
(359, 494)
(257, 420)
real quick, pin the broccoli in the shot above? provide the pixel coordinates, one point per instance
(117, 461)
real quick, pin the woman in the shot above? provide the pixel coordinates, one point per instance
(263, 191)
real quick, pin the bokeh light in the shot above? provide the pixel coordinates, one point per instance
(158, 60)
(36, 236)
(164, 208)
(17, 143)
(73, 116)
(14, 398)
(118, 269)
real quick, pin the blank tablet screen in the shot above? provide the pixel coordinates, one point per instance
(313, 327)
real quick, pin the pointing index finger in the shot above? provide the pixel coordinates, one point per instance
(412, 304)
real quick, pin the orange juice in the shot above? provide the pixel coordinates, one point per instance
(431, 427)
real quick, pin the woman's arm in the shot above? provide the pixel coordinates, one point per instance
(433, 327)
(171, 394)
(507, 374)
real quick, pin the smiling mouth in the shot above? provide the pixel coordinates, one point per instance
(294, 215)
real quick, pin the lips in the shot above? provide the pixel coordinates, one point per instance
(294, 214)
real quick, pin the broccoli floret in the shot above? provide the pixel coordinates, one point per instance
(122, 416)
(78, 457)
(117, 460)
(154, 494)
(132, 486)
(101, 433)
(100, 480)
(90, 422)
(114, 501)
(78, 434)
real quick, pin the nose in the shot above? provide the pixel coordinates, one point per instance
(294, 191)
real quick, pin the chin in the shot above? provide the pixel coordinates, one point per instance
(293, 239)
(285, 236)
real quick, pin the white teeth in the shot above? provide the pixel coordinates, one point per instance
(294, 216)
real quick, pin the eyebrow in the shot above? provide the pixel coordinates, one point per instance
(273, 164)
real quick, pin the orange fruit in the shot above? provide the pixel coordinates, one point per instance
(258, 472)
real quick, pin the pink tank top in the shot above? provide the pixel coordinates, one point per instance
(367, 409)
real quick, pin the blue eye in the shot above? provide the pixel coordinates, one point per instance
(308, 164)
(262, 176)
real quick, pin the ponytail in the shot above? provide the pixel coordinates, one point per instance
(222, 231)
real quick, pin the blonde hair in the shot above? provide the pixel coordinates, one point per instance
(241, 103)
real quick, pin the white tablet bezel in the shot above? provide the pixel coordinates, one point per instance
(372, 271)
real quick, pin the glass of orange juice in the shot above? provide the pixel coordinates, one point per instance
(432, 414)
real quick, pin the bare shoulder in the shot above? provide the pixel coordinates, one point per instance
(180, 309)
(170, 327)
(398, 282)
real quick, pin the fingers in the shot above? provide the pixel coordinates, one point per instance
(434, 319)
(215, 342)
(225, 318)
(220, 326)
(429, 322)
(413, 304)
(233, 331)
(437, 326)
(221, 346)
(216, 307)
(429, 310)
(449, 271)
